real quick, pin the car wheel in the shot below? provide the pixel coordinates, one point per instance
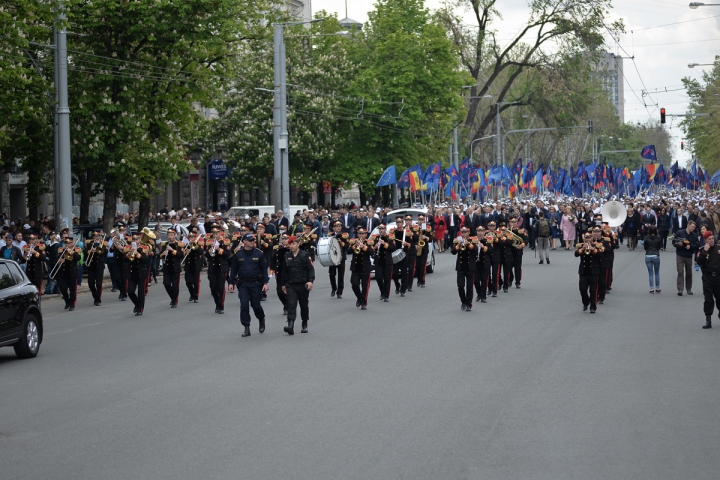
(29, 343)
(431, 268)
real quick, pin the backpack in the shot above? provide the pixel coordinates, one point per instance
(543, 228)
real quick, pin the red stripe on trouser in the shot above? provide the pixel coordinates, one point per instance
(197, 295)
(177, 285)
(596, 288)
(222, 304)
(75, 285)
(497, 278)
(101, 286)
(367, 289)
(126, 287)
(389, 286)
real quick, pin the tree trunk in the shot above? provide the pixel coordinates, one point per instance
(109, 204)
(143, 213)
(333, 191)
(85, 181)
(362, 197)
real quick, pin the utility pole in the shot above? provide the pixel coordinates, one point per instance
(455, 155)
(281, 174)
(498, 152)
(63, 118)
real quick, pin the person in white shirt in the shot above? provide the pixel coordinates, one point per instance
(19, 242)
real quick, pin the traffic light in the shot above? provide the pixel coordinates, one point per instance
(682, 145)
(590, 128)
(662, 115)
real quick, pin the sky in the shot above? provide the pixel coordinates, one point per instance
(661, 54)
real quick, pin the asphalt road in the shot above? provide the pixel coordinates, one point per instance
(524, 387)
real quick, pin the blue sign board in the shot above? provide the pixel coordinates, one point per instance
(218, 170)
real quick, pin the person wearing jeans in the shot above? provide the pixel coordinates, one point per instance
(543, 231)
(652, 245)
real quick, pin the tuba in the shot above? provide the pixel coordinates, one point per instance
(613, 213)
(147, 236)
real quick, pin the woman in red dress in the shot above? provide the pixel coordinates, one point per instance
(440, 228)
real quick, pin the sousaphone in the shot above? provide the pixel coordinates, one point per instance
(614, 213)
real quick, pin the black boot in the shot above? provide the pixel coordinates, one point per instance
(290, 329)
(246, 333)
(304, 327)
(708, 321)
(262, 325)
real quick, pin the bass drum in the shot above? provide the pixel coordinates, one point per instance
(329, 252)
(398, 255)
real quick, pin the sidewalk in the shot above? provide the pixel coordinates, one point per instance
(84, 289)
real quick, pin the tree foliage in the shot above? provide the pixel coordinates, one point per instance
(702, 134)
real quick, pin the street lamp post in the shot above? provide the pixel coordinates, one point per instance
(693, 65)
(695, 5)
(281, 176)
(500, 155)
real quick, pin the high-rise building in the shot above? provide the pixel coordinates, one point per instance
(609, 70)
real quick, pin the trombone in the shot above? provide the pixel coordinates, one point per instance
(90, 257)
(57, 266)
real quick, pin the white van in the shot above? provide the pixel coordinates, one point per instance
(238, 213)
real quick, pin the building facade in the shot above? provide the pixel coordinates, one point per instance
(609, 70)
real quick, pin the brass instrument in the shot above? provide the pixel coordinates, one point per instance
(147, 237)
(517, 240)
(92, 254)
(421, 243)
(306, 236)
(67, 254)
(30, 252)
(118, 241)
(357, 248)
(189, 247)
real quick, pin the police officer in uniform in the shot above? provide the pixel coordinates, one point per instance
(218, 253)
(137, 280)
(360, 266)
(465, 266)
(297, 281)
(193, 255)
(67, 276)
(589, 269)
(425, 233)
(383, 262)
(171, 253)
(98, 250)
(278, 265)
(516, 271)
(709, 260)
(34, 254)
(249, 271)
(337, 272)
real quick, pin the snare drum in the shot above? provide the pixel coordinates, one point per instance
(329, 252)
(398, 256)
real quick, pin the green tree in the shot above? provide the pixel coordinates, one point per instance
(702, 134)
(139, 73)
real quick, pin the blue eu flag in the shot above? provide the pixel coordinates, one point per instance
(388, 178)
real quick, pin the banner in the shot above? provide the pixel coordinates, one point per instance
(327, 187)
(218, 170)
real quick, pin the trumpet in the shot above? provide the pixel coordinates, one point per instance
(357, 248)
(517, 240)
(306, 236)
(65, 253)
(92, 254)
(30, 252)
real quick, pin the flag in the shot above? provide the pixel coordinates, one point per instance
(415, 181)
(452, 173)
(648, 153)
(388, 178)
(464, 167)
(404, 181)
(652, 170)
(537, 179)
(433, 172)
(517, 171)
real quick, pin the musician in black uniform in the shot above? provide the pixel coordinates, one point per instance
(410, 248)
(605, 261)
(589, 270)
(309, 241)
(121, 266)
(278, 266)
(337, 272)
(361, 266)
(518, 250)
(465, 266)
(95, 254)
(297, 280)
(68, 272)
(494, 260)
(193, 258)
(425, 234)
(264, 243)
(505, 244)
(139, 260)
(217, 251)
(400, 268)
(607, 231)
(34, 254)
(482, 264)
(709, 260)
(383, 262)
(171, 253)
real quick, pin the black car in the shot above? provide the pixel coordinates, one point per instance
(20, 315)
